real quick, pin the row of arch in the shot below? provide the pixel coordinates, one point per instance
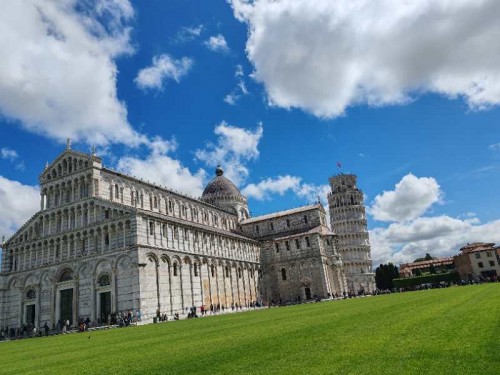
(67, 190)
(348, 213)
(345, 199)
(41, 288)
(183, 282)
(183, 237)
(74, 245)
(150, 199)
(67, 165)
(68, 218)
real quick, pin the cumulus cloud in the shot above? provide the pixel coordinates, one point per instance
(164, 67)
(160, 168)
(439, 236)
(217, 43)
(411, 198)
(279, 185)
(324, 56)
(234, 147)
(18, 202)
(58, 73)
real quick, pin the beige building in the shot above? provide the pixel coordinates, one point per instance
(104, 242)
(478, 260)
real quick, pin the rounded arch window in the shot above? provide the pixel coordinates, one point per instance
(67, 275)
(31, 294)
(283, 274)
(104, 280)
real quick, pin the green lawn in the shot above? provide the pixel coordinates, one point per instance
(449, 331)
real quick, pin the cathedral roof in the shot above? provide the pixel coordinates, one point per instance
(282, 213)
(220, 186)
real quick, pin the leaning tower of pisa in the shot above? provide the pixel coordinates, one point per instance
(348, 222)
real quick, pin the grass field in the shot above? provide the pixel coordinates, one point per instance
(448, 331)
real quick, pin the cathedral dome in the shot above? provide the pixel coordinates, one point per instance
(220, 186)
(223, 193)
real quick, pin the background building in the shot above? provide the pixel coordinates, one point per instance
(478, 260)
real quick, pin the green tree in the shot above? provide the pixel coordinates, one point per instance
(427, 257)
(384, 274)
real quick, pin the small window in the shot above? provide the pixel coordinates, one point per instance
(488, 254)
(117, 192)
(297, 244)
(155, 202)
(212, 270)
(480, 265)
(305, 219)
(283, 274)
(175, 269)
(328, 241)
(478, 255)
(195, 269)
(308, 243)
(104, 280)
(271, 226)
(277, 247)
(151, 228)
(492, 264)
(257, 228)
(31, 294)
(288, 223)
(287, 245)
(239, 273)
(227, 271)
(66, 276)
(106, 239)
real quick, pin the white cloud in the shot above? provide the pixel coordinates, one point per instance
(235, 146)
(18, 202)
(324, 56)
(494, 147)
(411, 198)
(439, 236)
(239, 90)
(7, 153)
(187, 33)
(164, 67)
(283, 184)
(217, 43)
(58, 74)
(279, 185)
(160, 168)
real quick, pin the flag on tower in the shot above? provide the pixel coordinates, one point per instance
(339, 165)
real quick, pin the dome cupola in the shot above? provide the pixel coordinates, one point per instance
(223, 193)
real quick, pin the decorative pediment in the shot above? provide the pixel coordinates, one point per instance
(69, 161)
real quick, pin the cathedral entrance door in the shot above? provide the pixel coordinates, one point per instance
(308, 293)
(66, 305)
(30, 314)
(104, 305)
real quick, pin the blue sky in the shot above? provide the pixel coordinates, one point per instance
(277, 92)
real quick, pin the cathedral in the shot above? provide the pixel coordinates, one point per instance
(104, 242)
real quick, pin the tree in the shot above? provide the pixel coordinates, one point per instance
(384, 274)
(427, 257)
